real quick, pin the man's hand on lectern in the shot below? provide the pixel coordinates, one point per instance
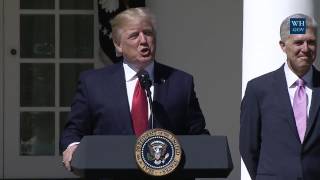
(67, 156)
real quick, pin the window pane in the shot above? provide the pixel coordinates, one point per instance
(69, 75)
(63, 120)
(36, 133)
(36, 4)
(37, 36)
(37, 84)
(76, 4)
(76, 36)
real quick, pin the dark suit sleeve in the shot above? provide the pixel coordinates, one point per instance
(250, 124)
(78, 123)
(196, 123)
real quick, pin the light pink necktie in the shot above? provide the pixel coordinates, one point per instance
(300, 108)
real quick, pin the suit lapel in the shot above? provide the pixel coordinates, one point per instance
(315, 103)
(159, 80)
(283, 98)
(116, 85)
(161, 75)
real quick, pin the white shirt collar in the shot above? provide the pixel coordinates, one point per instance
(131, 72)
(291, 77)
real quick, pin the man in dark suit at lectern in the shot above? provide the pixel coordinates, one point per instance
(110, 101)
(280, 112)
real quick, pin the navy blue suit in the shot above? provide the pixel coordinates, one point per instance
(269, 140)
(101, 107)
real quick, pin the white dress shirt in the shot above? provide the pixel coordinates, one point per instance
(291, 78)
(131, 80)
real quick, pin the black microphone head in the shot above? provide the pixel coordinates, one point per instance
(144, 79)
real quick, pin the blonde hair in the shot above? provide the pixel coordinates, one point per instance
(129, 15)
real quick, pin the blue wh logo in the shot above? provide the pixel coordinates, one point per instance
(297, 26)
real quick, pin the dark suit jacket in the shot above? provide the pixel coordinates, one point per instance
(269, 140)
(101, 104)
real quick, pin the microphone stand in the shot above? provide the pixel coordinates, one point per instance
(146, 84)
(151, 106)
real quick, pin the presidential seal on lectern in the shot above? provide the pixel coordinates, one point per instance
(157, 152)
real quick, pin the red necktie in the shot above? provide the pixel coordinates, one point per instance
(139, 111)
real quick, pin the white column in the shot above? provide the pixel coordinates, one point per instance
(261, 52)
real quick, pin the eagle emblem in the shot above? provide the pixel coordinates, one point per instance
(157, 152)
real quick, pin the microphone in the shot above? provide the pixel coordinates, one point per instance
(145, 81)
(146, 84)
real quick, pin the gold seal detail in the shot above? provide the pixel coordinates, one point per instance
(157, 152)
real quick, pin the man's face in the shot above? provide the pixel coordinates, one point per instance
(137, 43)
(301, 50)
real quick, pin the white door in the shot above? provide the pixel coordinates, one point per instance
(47, 43)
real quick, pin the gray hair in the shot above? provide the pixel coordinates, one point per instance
(132, 14)
(284, 28)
